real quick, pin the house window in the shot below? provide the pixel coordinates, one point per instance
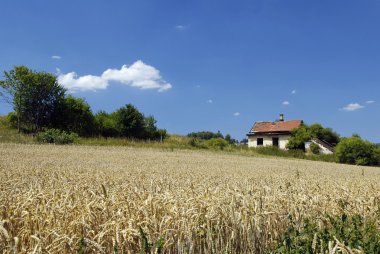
(275, 142)
(260, 141)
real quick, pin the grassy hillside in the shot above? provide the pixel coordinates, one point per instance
(93, 199)
(11, 135)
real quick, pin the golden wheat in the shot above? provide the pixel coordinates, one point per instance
(52, 198)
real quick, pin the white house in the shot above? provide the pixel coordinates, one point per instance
(272, 133)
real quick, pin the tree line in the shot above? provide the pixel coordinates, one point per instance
(41, 103)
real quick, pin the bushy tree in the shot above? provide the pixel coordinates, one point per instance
(75, 115)
(35, 96)
(298, 138)
(305, 133)
(326, 134)
(354, 150)
(129, 122)
(151, 130)
(106, 125)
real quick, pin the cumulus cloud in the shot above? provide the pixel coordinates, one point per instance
(56, 57)
(210, 101)
(352, 107)
(370, 102)
(285, 103)
(236, 114)
(139, 75)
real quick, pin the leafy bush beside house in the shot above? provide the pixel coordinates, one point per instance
(305, 133)
(314, 148)
(354, 150)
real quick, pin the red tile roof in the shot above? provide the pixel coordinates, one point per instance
(279, 126)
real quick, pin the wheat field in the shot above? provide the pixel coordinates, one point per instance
(87, 199)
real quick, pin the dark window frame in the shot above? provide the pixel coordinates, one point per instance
(260, 141)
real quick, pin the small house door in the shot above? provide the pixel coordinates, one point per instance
(275, 142)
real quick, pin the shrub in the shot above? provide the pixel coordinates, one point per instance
(355, 150)
(56, 136)
(196, 142)
(216, 143)
(313, 237)
(275, 151)
(314, 148)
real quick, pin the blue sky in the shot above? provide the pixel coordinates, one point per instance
(210, 64)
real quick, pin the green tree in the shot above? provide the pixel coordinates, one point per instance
(106, 125)
(129, 122)
(305, 133)
(76, 116)
(35, 96)
(354, 150)
(298, 138)
(326, 134)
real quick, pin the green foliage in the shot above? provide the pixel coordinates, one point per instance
(82, 246)
(106, 125)
(298, 138)
(75, 115)
(35, 96)
(275, 151)
(147, 248)
(230, 140)
(56, 136)
(326, 134)
(357, 151)
(12, 119)
(216, 143)
(205, 135)
(313, 237)
(314, 148)
(305, 133)
(196, 142)
(8, 134)
(129, 122)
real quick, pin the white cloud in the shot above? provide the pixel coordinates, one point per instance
(139, 75)
(181, 27)
(56, 57)
(370, 102)
(236, 114)
(353, 107)
(294, 92)
(285, 103)
(73, 83)
(210, 101)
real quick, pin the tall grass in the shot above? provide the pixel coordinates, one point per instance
(11, 135)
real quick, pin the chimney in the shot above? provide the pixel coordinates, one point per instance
(281, 117)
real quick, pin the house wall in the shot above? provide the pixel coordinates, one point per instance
(267, 140)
